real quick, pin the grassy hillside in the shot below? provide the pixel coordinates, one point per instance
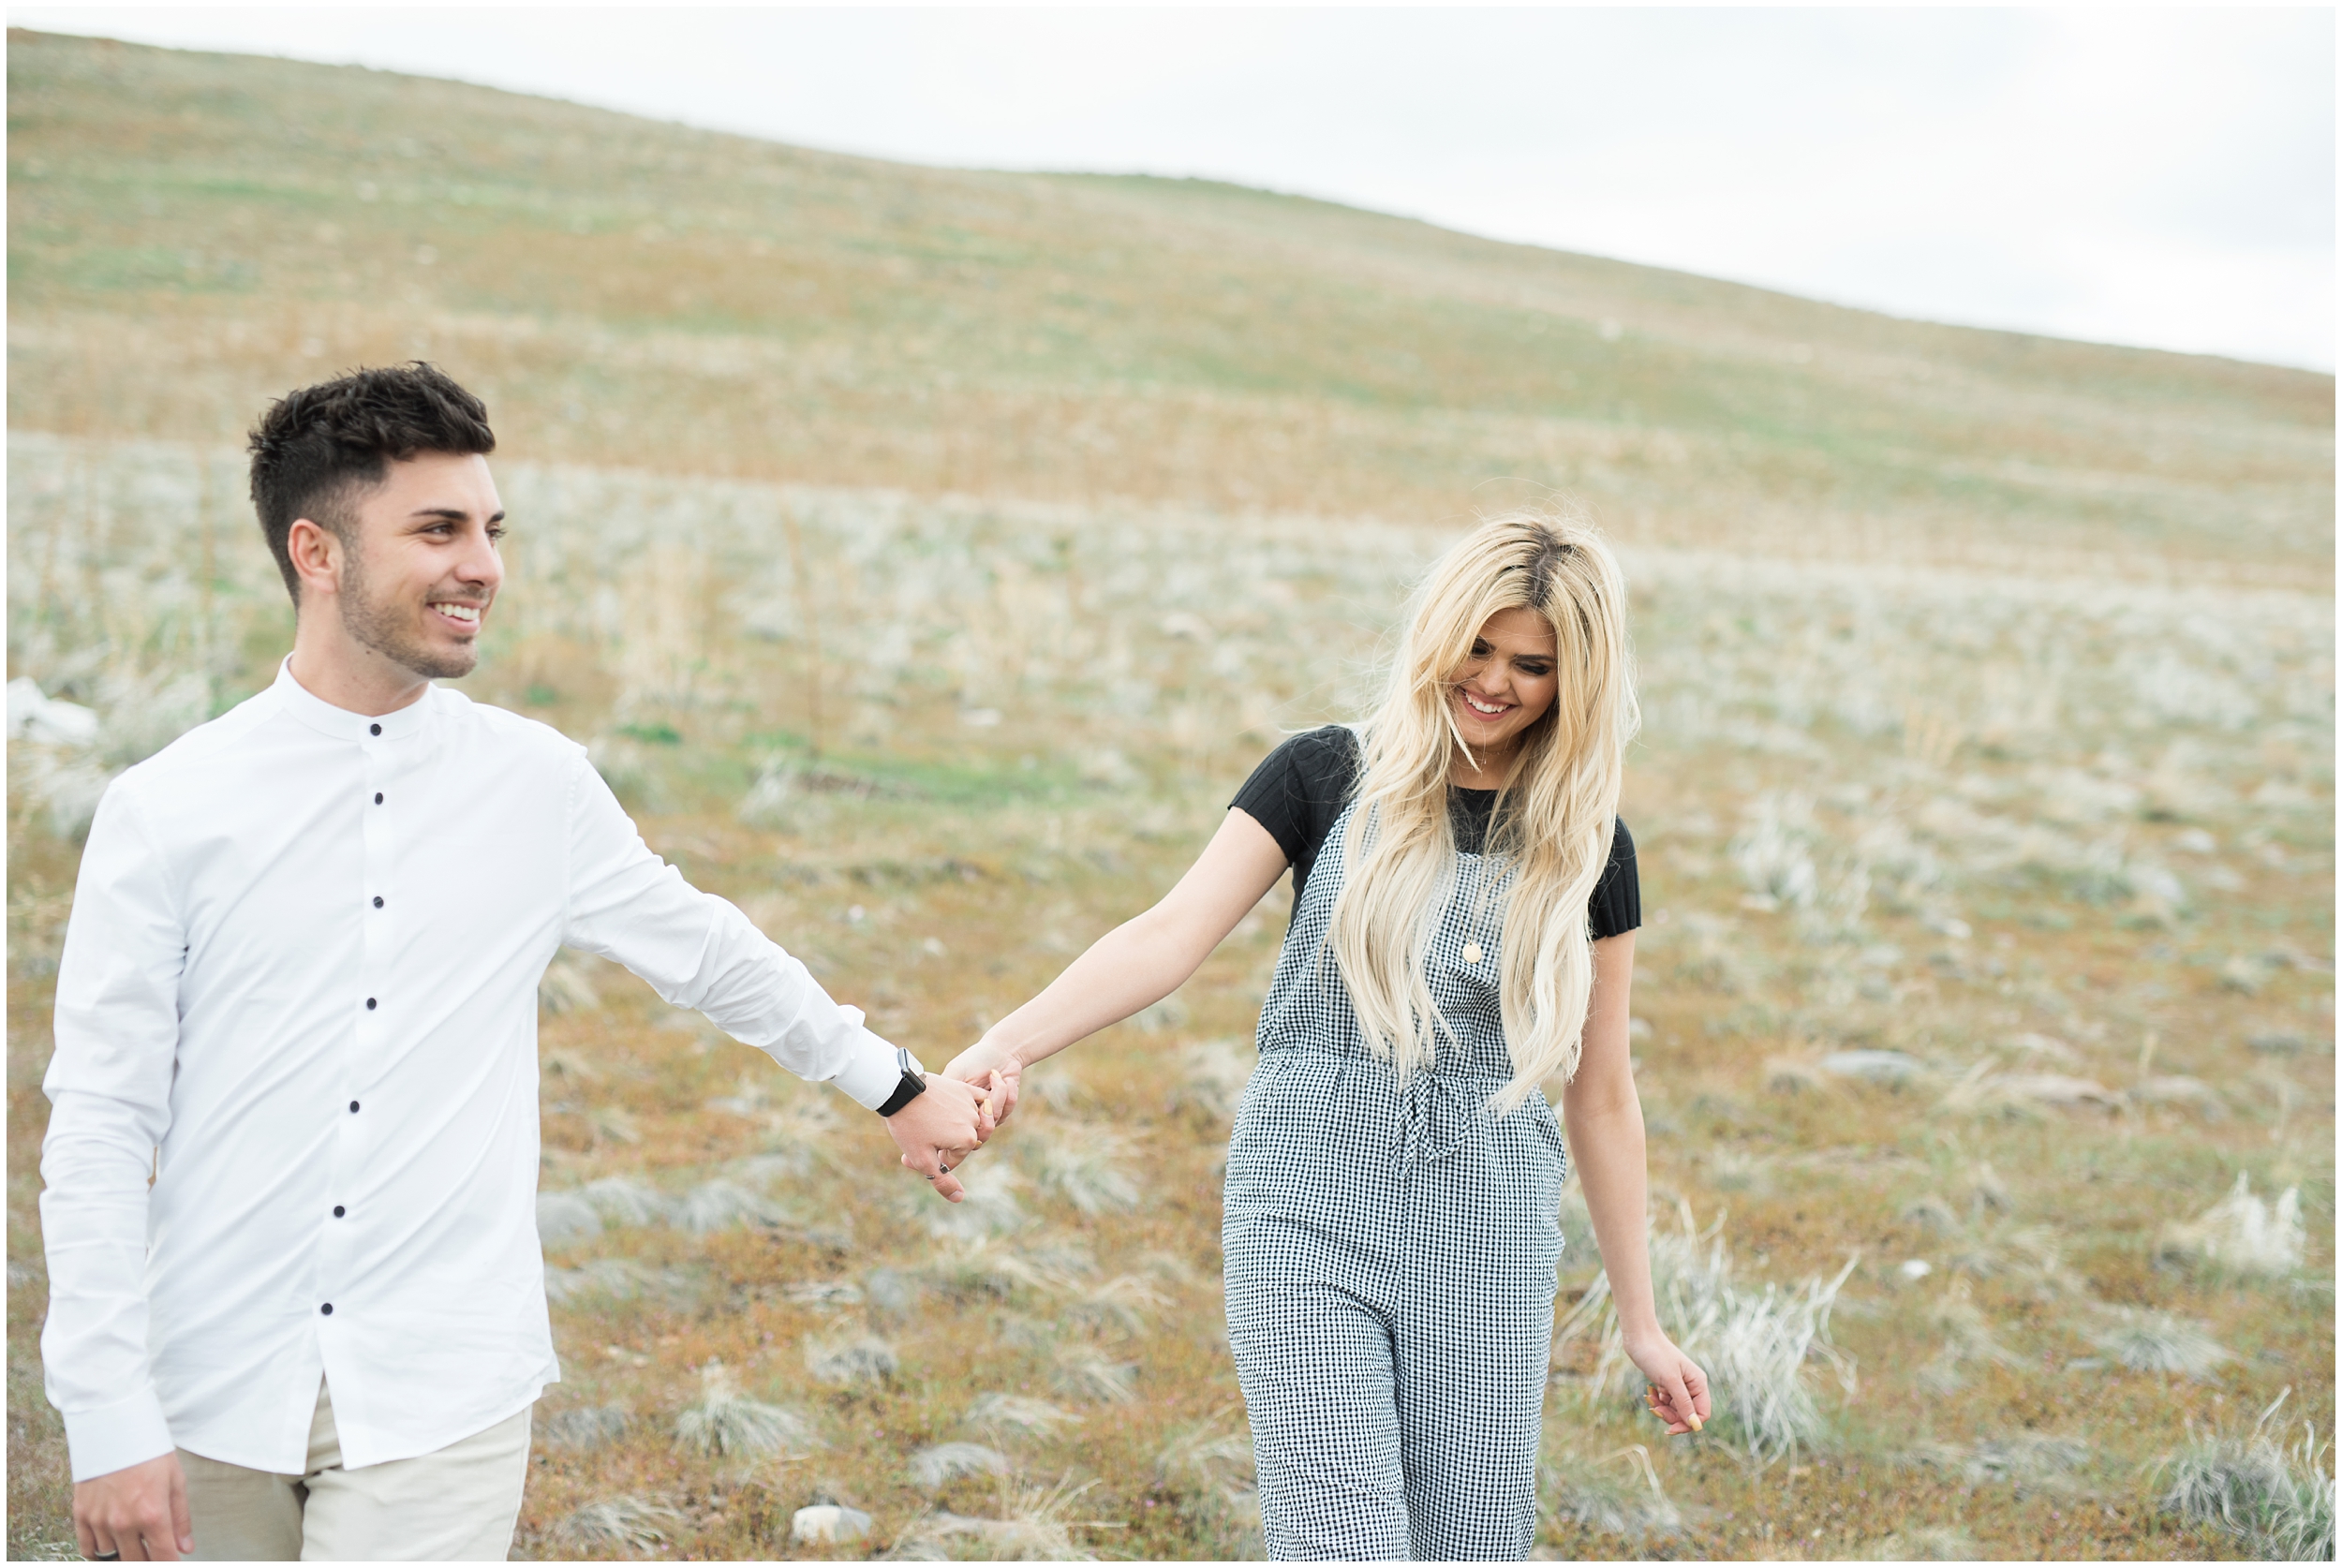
(190, 232)
(925, 557)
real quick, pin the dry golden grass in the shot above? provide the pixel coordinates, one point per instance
(1989, 703)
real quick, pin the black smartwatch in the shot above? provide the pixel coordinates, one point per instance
(913, 1085)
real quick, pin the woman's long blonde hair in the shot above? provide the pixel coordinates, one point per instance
(1553, 814)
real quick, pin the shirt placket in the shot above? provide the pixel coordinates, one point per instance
(371, 1002)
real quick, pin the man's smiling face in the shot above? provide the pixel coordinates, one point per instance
(424, 569)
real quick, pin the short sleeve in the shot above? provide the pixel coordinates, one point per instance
(1299, 791)
(1616, 905)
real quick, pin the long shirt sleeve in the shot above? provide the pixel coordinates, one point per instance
(117, 1036)
(699, 951)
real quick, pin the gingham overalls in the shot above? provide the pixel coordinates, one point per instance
(1390, 1256)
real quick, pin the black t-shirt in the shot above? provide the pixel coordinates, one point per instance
(1300, 789)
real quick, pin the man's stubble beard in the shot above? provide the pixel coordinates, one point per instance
(376, 624)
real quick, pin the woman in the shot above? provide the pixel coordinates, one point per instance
(1465, 901)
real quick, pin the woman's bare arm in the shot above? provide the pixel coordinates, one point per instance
(1136, 964)
(1603, 1116)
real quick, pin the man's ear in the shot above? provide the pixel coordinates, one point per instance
(316, 553)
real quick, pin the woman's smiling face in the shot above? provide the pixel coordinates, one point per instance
(1507, 683)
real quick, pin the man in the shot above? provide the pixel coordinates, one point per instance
(297, 993)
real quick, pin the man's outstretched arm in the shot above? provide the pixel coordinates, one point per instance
(699, 951)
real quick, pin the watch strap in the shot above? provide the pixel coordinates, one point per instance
(912, 1086)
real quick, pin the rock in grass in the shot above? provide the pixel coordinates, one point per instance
(828, 1524)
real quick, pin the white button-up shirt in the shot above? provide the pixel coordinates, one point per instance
(298, 989)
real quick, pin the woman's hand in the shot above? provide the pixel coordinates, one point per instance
(1678, 1394)
(994, 1071)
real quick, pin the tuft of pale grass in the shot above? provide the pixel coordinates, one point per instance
(617, 1524)
(1034, 1524)
(728, 1424)
(721, 1206)
(990, 1208)
(2027, 1461)
(622, 1201)
(1212, 1468)
(2160, 1343)
(565, 1219)
(1925, 1544)
(981, 1265)
(2278, 1501)
(567, 987)
(940, 1464)
(617, 1279)
(1617, 1495)
(1093, 1167)
(851, 1363)
(1210, 1076)
(1082, 1372)
(2241, 1235)
(583, 1428)
(1124, 1304)
(1020, 1415)
(1969, 1339)
(1890, 1068)
(1753, 1344)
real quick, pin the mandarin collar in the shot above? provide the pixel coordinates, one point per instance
(342, 724)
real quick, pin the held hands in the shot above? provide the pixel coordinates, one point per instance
(137, 1514)
(995, 1070)
(1678, 1394)
(940, 1129)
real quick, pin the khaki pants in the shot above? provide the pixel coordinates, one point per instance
(457, 1504)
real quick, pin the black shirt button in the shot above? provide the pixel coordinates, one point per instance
(353, 1107)
(327, 1309)
(369, 1004)
(377, 900)
(377, 797)
(371, 730)
(338, 1211)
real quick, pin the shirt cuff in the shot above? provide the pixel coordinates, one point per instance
(871, 1070)
(117, 1436)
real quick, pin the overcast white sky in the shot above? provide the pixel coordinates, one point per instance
(2160, 177)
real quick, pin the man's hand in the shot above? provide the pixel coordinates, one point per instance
(939, 1128)
(139, 1515)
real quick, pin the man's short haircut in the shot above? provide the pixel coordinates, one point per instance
(315, 449)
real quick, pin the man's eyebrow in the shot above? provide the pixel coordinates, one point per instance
(453, 514)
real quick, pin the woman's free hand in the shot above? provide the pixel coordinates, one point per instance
(1678, 1394)
(994, 1071)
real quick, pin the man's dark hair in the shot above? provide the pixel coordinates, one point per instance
(315, 449)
